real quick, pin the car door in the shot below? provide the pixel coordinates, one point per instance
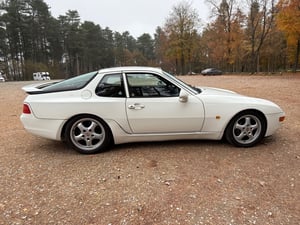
(153, 106)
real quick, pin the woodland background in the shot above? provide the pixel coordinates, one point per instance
(247, 36)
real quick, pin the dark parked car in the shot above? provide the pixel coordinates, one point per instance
(211, 71)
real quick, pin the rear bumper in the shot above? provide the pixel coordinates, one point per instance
(46, 128)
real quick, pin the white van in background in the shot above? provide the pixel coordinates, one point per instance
(41, 76)
(2, 77)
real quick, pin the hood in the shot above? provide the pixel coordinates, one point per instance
(225, 97)
(217, 91)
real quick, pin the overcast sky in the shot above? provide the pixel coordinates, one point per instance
(135, 16)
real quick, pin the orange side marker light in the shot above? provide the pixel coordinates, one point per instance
(281, 119)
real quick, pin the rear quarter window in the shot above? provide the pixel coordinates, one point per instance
(111, 85)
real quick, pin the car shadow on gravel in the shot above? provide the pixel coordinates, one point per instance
(56, 147)
(61, 148)
(185, 145)
(53, 147)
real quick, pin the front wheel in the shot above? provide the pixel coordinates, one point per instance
(87, 134)
(246, 129)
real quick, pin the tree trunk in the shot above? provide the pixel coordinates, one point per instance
(253, 61)
(257, 63)
(182, 62)
(77, 64)
(297, 57)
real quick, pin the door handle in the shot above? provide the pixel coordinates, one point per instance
(136, 106)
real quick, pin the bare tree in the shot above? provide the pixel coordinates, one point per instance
(260, 22)
(227, 13)
(181, 28)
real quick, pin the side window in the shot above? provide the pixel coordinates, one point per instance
(111, 86)
(150, 85)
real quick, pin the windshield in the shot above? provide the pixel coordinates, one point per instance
(70, 84)
(195, 90)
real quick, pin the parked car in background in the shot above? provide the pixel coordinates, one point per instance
(41, 76)
(211, 71)
(131, 104)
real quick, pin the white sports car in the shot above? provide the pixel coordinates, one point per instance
(131, 104)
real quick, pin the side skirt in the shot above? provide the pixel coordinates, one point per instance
(120, 136)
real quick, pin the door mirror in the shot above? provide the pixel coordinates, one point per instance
(183, 96)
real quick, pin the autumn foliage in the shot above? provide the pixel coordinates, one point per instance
(288, 21)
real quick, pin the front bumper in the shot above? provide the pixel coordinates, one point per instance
(274, 122)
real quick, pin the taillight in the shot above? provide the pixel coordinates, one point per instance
(26, 109)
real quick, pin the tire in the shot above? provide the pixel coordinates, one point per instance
(87, 134)
(246, 129)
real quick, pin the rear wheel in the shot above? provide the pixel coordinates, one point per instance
(87, 134)
(246, 129)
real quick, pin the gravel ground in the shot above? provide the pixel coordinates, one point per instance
(182, 182)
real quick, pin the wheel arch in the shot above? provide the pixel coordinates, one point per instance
(62, 133)
(260, 113)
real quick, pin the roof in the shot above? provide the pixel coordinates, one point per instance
(130, 69)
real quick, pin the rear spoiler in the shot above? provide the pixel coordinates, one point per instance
(37, 88)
